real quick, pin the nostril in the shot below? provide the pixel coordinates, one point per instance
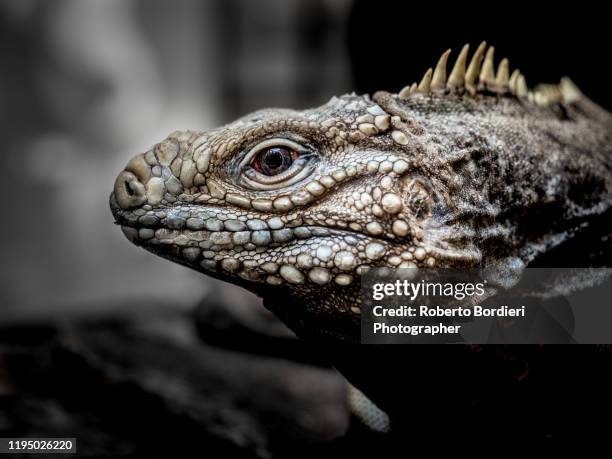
(128, 188)
(129, 191)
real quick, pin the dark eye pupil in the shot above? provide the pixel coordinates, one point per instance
(275, 160)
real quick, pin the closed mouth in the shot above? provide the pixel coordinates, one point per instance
(165, 225)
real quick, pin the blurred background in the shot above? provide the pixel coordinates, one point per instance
(85, 85)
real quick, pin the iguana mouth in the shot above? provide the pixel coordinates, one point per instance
(261, 254)
(257, 250)
(169, 223)
(195, 235)
(229, 240)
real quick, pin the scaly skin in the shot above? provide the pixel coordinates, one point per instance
(455, 173)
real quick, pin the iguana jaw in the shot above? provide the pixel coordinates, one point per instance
(258, 250)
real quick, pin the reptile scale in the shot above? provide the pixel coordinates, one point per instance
(465, 169)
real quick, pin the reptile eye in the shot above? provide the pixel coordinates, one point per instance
(274, 160)
(275, 163)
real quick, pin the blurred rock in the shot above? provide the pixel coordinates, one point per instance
(230, 324)
(145, 386)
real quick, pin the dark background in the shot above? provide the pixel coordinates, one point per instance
(392, 42)
(97, 337)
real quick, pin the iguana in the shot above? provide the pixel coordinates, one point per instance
(470, 169)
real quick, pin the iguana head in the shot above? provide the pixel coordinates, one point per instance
(279, 197)
(297, 204)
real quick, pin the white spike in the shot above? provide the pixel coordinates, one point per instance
(404, 93)
(512, 82)
(425, 84)
(456, 80)
(438, 80)
(502, 80)
(473, 69)
(569, 90)
(551, 93)
(521, 86)
(487, 73)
